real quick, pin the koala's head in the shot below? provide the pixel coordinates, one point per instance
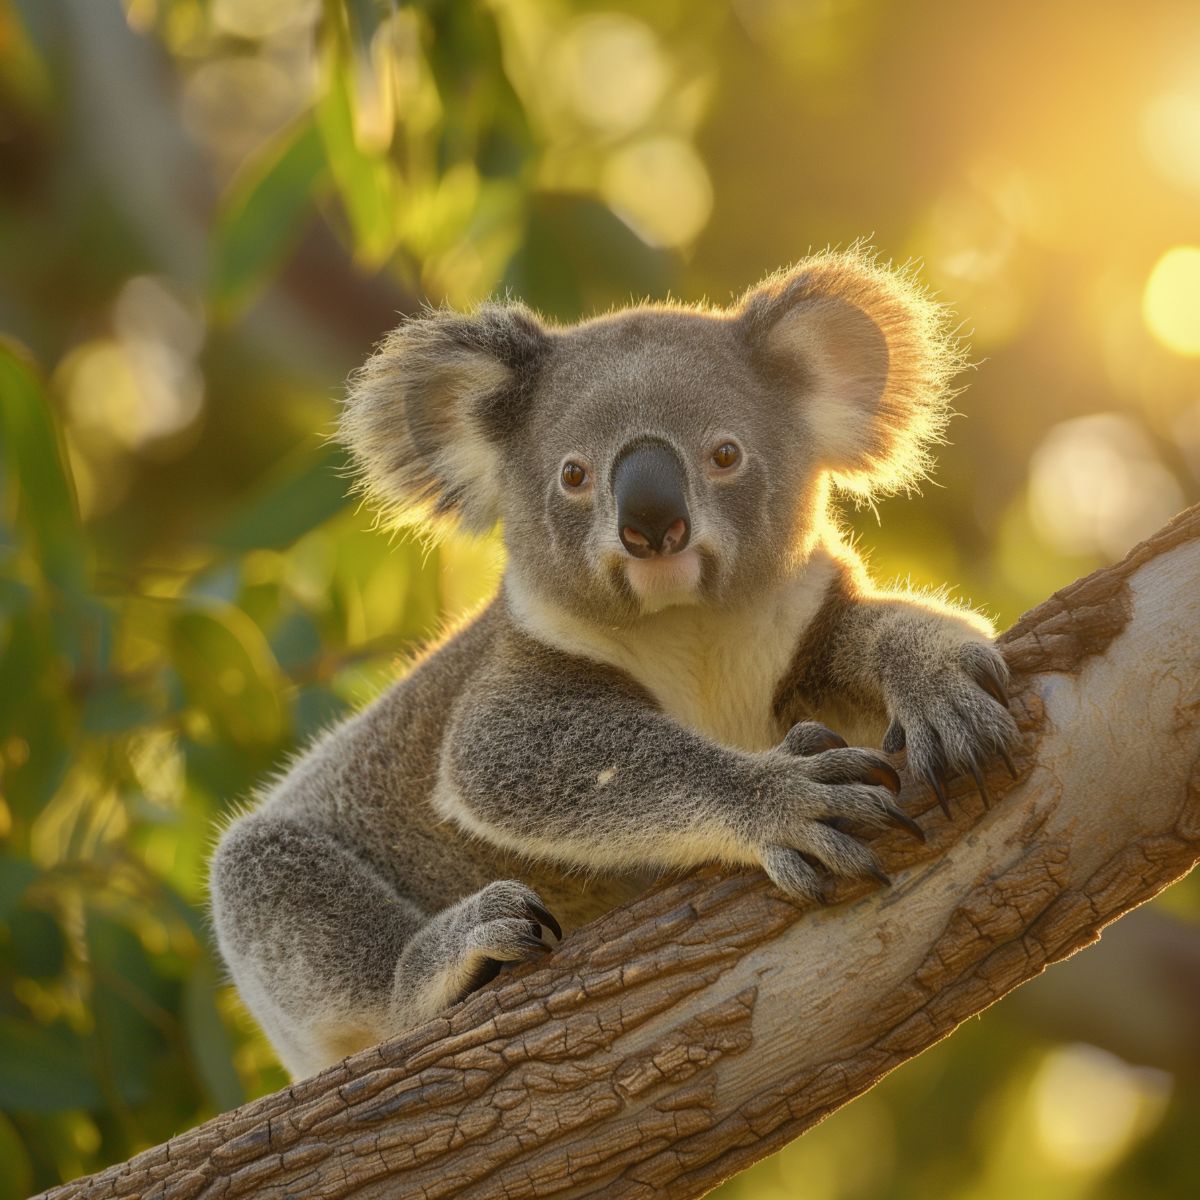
(658, 455)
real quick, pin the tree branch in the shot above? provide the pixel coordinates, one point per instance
(682, 1037)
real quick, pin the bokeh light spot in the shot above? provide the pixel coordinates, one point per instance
(263, 18)
(660, 187)
(1096, 486)
(614, 71)
(1090, 1107)
(1171, 301)
(1171, 137)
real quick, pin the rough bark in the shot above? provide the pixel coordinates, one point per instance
(686, 1035)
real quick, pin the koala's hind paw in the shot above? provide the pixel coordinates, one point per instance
(503, 922)
(954, 719)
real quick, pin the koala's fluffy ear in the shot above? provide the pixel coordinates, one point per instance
(425, 417)
(867, 354)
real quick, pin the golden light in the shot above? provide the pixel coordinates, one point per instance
(661, 188)
(1090, 1107)
(1171, 137)
(1171, 301)
(613, 70)
(1096, 486)
(263, 18)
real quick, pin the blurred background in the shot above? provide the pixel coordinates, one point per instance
(209, 211)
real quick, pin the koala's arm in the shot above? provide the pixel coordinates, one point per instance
(928, 664)
(570, 761)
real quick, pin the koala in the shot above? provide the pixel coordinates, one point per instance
(680, 626)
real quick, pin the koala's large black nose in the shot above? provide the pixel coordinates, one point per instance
(652, 512)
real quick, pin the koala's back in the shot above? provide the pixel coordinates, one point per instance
(370, 783)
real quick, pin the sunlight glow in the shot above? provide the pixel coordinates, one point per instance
(263, 18)
(613, 70)
(661, 188)
(1096, 486)
(1090, 1107)
(1171, 137)
(1171, 301)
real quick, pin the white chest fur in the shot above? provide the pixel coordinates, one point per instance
(713, 670)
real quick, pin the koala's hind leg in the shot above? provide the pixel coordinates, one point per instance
(330, 957)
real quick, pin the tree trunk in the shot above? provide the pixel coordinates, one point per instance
(684, 1036)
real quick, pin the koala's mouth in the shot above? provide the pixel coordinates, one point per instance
(661, 582)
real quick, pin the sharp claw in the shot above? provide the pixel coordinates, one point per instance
(904, 821)
(533, 945)
(983, 792)
(894, 740)
(939, 792)
(816, 741)
(884, 775)
(993, 689)
(832, 741)
(877, 874)
(1008, 762)
(543, 916)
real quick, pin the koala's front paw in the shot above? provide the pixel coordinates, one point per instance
(821, 787)
(952, 716)
(503, 922)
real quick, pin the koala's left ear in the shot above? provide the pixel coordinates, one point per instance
(426, 417)
(868, 357)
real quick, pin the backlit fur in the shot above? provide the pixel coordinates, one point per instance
(606, 718)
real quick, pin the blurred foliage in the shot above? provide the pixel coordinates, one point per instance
(209, 210)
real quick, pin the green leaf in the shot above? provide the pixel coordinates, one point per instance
(16, 874)
(209, 1040)
(230, 674)
(38, 713)
(578, 257)
(115, 706)
(369, 186)
(16, 1180)
(36, 947)
(262, 213)
(305, 491)
(44, 1069)
(35, 465)
(126, 991)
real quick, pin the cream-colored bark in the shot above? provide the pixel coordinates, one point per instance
(688, 1034)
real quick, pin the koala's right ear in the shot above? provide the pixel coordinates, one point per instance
(425, 416)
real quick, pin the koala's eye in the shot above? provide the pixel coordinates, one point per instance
(573, 475)
(726, 455)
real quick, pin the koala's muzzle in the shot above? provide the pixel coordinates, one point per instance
(652, 511)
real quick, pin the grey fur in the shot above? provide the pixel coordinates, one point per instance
(594, 724)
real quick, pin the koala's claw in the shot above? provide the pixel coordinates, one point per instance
(884, 775)
(904, 821)
(1008, 762)
(792, 870)
(531, 942)
(952, 718)
(993, 687)
(983, 792)
(543, 916)
(811, 737)
(507, 920)
(939, 791)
